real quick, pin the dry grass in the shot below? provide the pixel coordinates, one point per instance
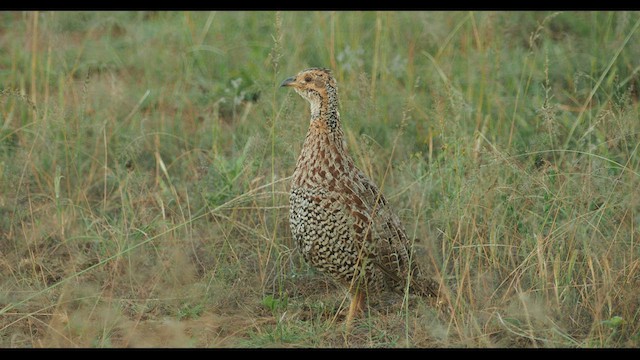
(144, 163)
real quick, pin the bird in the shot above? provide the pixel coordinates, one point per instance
(341, 222)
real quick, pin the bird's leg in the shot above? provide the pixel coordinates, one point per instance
(356, 307)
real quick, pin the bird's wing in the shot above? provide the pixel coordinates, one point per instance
(391, 242)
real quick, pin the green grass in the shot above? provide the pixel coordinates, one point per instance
(145, 156)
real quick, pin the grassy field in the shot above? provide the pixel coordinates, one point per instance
(145, 161)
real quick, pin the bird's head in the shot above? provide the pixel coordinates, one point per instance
(314, 84)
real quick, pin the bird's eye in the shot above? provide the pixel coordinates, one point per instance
(307, 78)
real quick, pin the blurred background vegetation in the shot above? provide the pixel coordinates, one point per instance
(145, 156)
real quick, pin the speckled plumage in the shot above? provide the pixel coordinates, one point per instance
(339, 219)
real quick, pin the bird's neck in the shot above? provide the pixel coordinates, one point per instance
(325, 124)
(325, 114)
(324, 157)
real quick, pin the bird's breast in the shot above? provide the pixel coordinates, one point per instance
(320, 164)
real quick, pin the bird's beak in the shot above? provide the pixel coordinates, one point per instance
(289, 82)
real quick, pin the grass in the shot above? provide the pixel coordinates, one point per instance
(145, 161)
